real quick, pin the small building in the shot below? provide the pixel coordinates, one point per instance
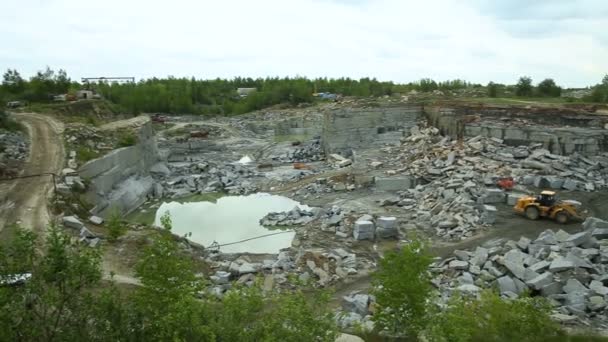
(60, 98)
(84, 94)
(244, 92)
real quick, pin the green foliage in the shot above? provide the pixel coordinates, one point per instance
(116, 228)
(600, 91)
(54, 303)
(524, 86)
(8, 123)
(491, 318)
(402, 288)
(548, 88)
(126, 139)
(492, 89)
(85, 153)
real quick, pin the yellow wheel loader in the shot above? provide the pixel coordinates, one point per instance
(547, 205)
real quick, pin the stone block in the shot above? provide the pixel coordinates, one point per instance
(488, 214)
(358, 303)
(72, 222)
(492, 196)
(363, 230)
(541, 281)
(551, 289)
(506, 284)
(578, 239)
(458, 265)
(513, 198)
(386, 222)
(561, 264)
(96, 220)
(393, 183)
(570, 184)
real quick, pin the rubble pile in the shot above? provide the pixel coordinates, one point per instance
(86, 236)
(294, 217)
(568, 269)
(307, 152)
(357, 310)
(429, 156)
(460, 178)
(13, 146)
(318, 267)
(181, 179)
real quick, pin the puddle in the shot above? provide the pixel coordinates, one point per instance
(231, 219)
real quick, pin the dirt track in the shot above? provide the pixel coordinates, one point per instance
(24, 201)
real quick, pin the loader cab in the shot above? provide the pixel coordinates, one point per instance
(546, 198)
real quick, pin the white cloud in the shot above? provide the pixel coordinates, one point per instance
(388, 39)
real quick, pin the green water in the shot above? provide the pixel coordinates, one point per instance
(230, 219)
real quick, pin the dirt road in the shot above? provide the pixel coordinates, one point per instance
(24, 201)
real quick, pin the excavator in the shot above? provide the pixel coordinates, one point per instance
(547, 205)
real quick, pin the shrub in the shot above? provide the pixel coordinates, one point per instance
(127, 139)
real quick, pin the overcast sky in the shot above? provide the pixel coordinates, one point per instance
(399, 40)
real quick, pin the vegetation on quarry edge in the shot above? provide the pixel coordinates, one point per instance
(66, 300)
(219, 96)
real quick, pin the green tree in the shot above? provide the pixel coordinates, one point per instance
(548, 88)
(491, 318)
(492, 89)
(402, 288)
(116, 228)
(524, 86)
(54, 304)
(13, 82)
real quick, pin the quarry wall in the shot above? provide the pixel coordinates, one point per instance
(560, 131)
(348, 129)
(121, 179)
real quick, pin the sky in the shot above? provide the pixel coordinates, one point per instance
(391, 40)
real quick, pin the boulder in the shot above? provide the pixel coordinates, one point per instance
(458, 265)
(96, 220)
(363, 230)
(561, 264)
(541, 281)
(506, 284)
(358, 303)
(72, 222)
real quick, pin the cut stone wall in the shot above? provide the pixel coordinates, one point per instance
(560, 131)
(349, 129)
(120, 180)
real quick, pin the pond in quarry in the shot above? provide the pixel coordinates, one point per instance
(231, 219)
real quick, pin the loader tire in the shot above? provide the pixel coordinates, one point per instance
(562, 217)
(532, 213)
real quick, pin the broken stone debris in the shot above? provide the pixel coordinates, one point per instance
(568, 269)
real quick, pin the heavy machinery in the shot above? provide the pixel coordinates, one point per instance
(506, 183)
(547, 205)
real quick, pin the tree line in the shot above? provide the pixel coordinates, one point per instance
(220, 97)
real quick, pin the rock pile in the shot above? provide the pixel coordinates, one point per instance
(309, 151)
(181, 179)
(86, 236)
(568, 269)
(14, 146)
(356, 312)
(318, 267)
(429, 156)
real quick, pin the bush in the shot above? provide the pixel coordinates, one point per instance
(85, 153)
(402, 288)
(524, 86)
(491, 318)
(116, 228)
(8, 123)
(127, 139)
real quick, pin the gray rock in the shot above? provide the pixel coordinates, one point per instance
(72, 222)
(488, 214)
(458, 265)
(480, 256)
(596, 303)
(575, 302)
(492, 196)
(551, 289)
(598, 287)
(221, 277)
(600, 233)
(540, 266)
(462, 255)
(506, 284)
(94, 242)
(561, 264)
(573, 285)
(385, 222)
(523, 243)
(363, 230)
(570, 184)
(96, 220)
(546, 238)
(85, 233)
(468, 288)
(349, 320)
(578, 239)
(358, 303)
(541, 281)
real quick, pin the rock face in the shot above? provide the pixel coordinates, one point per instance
(583, 135)
(348, 129)
(121, 179)
(568, 269)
